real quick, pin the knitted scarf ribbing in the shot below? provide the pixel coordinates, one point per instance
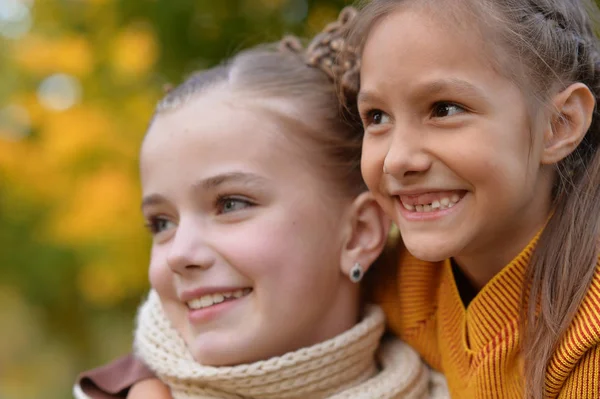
(343, 367)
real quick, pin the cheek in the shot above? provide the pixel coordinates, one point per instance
(372, 159)
(265, 248)
(282, 254)
(499, 171)
(161, 276)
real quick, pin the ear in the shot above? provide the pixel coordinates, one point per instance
(366, 234)
(574, 107)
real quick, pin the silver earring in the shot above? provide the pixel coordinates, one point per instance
(356, 273)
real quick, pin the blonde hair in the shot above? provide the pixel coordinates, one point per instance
(556, 46)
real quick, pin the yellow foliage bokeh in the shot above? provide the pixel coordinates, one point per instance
(67, 54)
(134, 50)
(96, 207)
(100, 284)
(67, 134)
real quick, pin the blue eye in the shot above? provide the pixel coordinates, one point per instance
(159, 224)
(444, 109)
(232, 204)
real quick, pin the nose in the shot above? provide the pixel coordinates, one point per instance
(406, 155)
(189, 250)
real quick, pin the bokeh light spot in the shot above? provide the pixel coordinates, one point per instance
(59, 92)
(15, 18)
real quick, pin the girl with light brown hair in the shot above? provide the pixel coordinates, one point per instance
(481, 143)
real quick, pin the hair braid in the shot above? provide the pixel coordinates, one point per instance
(330, 52)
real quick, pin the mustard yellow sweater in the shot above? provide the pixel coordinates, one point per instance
(477, 347)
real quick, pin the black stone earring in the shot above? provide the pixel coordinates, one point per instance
(356, 273)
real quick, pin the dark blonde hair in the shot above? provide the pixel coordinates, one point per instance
(302, 78)
(556, 46)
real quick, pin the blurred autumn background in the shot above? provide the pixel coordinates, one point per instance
(78, 83)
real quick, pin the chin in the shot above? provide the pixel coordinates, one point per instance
(218, 353)
(429, 252)
(215, 357)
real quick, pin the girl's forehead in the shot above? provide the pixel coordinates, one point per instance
(409, 52)
(224, 117)
(208, 132)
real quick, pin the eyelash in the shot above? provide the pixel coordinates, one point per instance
(368, 117)
(152, 224)
(437, 105)
(223, 199)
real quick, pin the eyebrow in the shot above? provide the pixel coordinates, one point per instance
(431, 88)
(152, 199)
(366, 97)
(441, 85)
(212, 183)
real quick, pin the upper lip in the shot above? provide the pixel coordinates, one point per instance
(420, 191)
(189, 295)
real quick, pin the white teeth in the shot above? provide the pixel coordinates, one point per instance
(213, 299)
(195, 304)
(442, 203)
(218, 298)
(206, 300)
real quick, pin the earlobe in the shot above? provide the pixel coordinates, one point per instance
(367, 235)
(574, 109)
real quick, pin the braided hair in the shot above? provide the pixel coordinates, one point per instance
(330, 52)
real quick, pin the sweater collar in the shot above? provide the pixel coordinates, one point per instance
(497, 305)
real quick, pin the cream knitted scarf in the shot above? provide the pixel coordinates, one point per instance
(343, 367)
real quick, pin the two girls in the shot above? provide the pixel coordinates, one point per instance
(481, 141)
(262, 228)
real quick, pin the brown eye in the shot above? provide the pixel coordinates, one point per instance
(444, 109)
(376, 117)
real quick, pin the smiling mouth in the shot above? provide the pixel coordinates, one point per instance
(431, 202)
(209, 300)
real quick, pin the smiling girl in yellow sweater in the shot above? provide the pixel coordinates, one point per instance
(482, 142)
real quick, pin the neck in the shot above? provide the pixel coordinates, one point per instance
(482, 265)
(341, 314)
